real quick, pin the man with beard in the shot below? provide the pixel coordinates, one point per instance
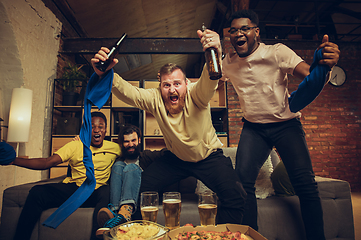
(182, 111)
(258, 73)
(52, 195)
(125, 179)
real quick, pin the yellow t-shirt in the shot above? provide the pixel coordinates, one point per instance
(103, 159)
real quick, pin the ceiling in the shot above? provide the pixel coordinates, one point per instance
(281, 19)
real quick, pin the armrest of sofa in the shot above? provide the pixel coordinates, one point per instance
(13, 201)
(16, 196)
(336, 202)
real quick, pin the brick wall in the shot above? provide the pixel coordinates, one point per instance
(332, 122)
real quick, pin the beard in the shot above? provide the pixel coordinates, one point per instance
(130, 155)
(174, 109)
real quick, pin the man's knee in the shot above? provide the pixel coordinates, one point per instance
(36, 191)
(132, 167)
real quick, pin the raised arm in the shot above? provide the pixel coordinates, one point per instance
(315, 77)
(38, 163)
(205, 88)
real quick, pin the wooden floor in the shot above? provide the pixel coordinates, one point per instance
(356, 206)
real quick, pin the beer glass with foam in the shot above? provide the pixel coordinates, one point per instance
(207, 208)
(172, 209)
(149, 202)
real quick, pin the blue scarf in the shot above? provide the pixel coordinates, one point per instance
(97, 93)
(311, 86)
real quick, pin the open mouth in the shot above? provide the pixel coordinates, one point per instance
(173, 98)
(97, 137)
(241, 42)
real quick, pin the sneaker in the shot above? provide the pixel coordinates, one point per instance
(119, 219)
(113, 222)
(105, 214)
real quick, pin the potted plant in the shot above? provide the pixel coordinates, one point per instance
(72, 78)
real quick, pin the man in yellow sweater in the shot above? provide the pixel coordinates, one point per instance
(42, 197)
(183, 113)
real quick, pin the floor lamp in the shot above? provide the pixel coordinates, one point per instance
(20, 116)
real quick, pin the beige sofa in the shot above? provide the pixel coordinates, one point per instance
(278, 217)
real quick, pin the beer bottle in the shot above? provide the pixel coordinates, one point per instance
(103, 65)
(212, 60)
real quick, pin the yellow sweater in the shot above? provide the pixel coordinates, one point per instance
(190, 134)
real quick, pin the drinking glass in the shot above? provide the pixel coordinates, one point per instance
(172, 209)
(149, 203)
(207, 208)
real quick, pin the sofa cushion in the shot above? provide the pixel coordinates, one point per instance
(263, 183)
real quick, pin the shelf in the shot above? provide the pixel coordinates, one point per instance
(154, 143)
(151, 84)
(116, 103)
(58, 142)
(69, 108)
(220, 119)
(122, 116)
(224, 140)
(151, 127)
(219, 99)
(58, 171)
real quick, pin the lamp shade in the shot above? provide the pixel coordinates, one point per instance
(20, 115)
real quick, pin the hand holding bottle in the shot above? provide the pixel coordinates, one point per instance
(102, 55)
(105, 58)
(213, 52)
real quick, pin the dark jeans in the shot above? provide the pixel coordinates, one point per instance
(216, 172)
(255, 144)
(43, 197)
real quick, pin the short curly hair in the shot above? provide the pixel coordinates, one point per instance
(101, 115)
(169, 68)
(245, 13)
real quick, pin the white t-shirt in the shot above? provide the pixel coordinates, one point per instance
(261, 82)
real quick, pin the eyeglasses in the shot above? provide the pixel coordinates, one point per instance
(244, 29)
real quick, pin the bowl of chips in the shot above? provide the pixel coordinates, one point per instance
(136, 230)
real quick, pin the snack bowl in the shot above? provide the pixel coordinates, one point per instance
(139, 229)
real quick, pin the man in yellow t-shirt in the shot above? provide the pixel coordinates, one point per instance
(42, 197)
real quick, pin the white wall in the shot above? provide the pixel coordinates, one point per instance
(29, 44)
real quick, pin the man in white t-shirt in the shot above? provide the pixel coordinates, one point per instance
(258, 73)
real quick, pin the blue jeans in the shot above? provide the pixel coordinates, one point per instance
(124, 184)
(255, 144)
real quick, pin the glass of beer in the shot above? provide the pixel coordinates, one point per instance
(149, 202)
(172, 209)
(207, 208)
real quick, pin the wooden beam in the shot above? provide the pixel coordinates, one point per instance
(240, 5)
(134, 45)
(348, 12)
